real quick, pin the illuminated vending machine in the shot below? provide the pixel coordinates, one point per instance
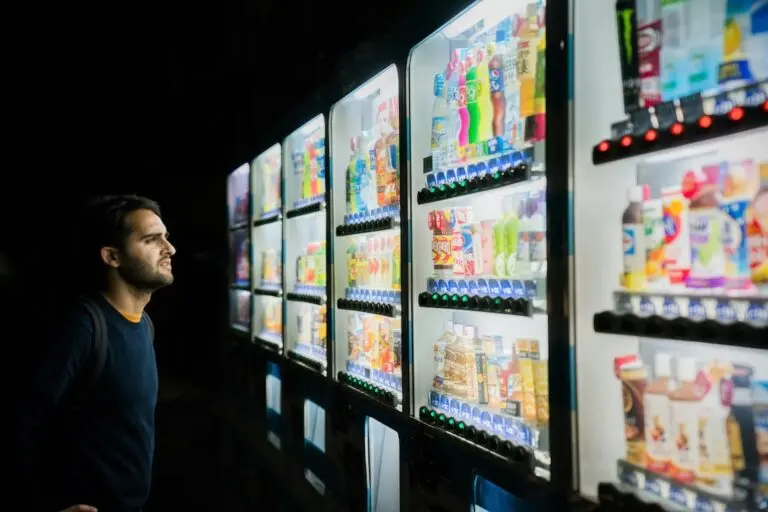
(368, 275)
(267, 243)
(305, 239)
(267, 272)
(238, 205)
(670, 188)
(479, 265)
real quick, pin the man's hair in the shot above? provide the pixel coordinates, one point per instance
(103, 223)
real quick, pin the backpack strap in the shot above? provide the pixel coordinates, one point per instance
(100, 340)
(151, 327)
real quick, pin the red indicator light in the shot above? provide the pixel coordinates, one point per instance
(736, 114)
(676, 129)
(765, 106)
(650, 135)
(705, 122)
(603, 146)
(626, 141)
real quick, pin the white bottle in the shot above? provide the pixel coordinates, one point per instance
(439, 122)
(658, 420)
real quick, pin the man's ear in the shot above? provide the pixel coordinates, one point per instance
(110, 256)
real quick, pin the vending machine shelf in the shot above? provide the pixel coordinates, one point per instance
(376, 308)
(264, 220)
(270, 291)
(239, 287)
(316, 205)
(651, 487)
(736, 334)
(306, 297)
(518, 455)
(371, 389)
(459, 188)
(271, 342)
(499, 305)
(685, 121)
(369, 226)
(307, 359)
(239, 225)
(750, 307)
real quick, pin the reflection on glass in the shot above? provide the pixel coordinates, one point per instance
(238, 196)
(314, 434)
(479, 126)
(489, 497)
(274, 405)
(383, 465)
(240, 310)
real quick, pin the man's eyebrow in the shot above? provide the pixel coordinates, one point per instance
(154, 235)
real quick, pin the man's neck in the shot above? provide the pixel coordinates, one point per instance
(126, 298)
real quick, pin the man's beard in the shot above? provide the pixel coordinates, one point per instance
(144, 277)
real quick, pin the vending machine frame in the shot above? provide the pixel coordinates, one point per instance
(559, 251)
(674, 129)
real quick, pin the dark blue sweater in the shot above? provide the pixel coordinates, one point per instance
(102, 454)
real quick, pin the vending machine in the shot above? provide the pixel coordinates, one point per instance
(367, 287)
(267, 244)
(478, 192)
(238, 206)
(306, 385)
(670, 212)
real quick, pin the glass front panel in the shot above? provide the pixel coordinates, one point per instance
(489, 497)
(383, 466)
(305, 238)
(478, 193)
(240, 258)
(240, 310)
(238, 197)
(670, 241)
(314, 434)
(267, 243)
(367, 249)
(274, 402)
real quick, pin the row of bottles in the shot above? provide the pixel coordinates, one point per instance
(710, 232)
(514, 245)
(309, 167)
(685, 47)
(374, 262)
(373, 172)
(703, 425)
(492, 91)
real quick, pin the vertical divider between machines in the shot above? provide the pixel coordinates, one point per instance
(558, 160)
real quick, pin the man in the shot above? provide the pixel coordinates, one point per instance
(98, 455)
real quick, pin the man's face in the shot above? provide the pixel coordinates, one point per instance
(145, 259)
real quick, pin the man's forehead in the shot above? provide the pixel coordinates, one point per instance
(144, 222)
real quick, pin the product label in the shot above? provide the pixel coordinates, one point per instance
(462, 98)
(439, 131)
(496, 79)
(707, 255)
(735, 240)
(634, 258)
(649, 49)
(657, 427)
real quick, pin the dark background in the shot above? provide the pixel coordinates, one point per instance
(161, 99)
